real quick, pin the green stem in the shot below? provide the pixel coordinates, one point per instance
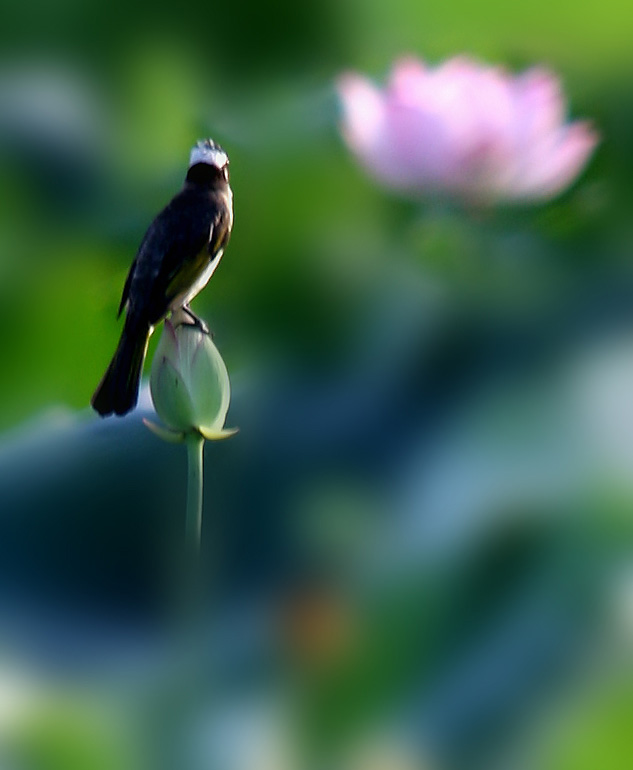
(195, 450)
(181, 692)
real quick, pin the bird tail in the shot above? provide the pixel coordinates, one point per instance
(118, 390)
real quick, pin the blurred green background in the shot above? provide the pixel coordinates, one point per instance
(99, 109)
(430, 499)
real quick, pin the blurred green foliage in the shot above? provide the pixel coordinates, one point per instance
(464, 375)
(72, 734)
(83, 176)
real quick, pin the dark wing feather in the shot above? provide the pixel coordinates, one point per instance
(174, 240)
(143, 249)
(126, 289)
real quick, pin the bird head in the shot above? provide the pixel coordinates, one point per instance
(208, 152)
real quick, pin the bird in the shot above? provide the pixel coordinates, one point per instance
(177, 256)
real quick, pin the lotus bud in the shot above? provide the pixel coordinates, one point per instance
(189, 384)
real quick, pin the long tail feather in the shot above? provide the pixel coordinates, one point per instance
(118, 390)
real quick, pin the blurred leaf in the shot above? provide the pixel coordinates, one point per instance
(72, 736)
(596, 732)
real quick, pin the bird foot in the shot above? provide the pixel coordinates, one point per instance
(192, 319)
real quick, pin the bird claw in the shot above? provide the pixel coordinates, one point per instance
(193, 320)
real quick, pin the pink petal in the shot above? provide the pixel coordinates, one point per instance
(363, 112)
(488, 150)
(407, 81)
(556, 169)
(418, 151)
(539, 107)
(417, 134)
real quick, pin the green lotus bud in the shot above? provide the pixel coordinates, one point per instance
(189, 384)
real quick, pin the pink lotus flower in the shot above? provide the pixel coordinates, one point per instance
(465, 129)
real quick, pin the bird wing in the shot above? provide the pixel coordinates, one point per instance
(172, 253)
(126, 289)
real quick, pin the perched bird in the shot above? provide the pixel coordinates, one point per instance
(177, 257)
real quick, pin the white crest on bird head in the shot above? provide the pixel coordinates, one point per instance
(207, 151)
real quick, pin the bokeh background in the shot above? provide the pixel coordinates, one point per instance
(418, 548)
